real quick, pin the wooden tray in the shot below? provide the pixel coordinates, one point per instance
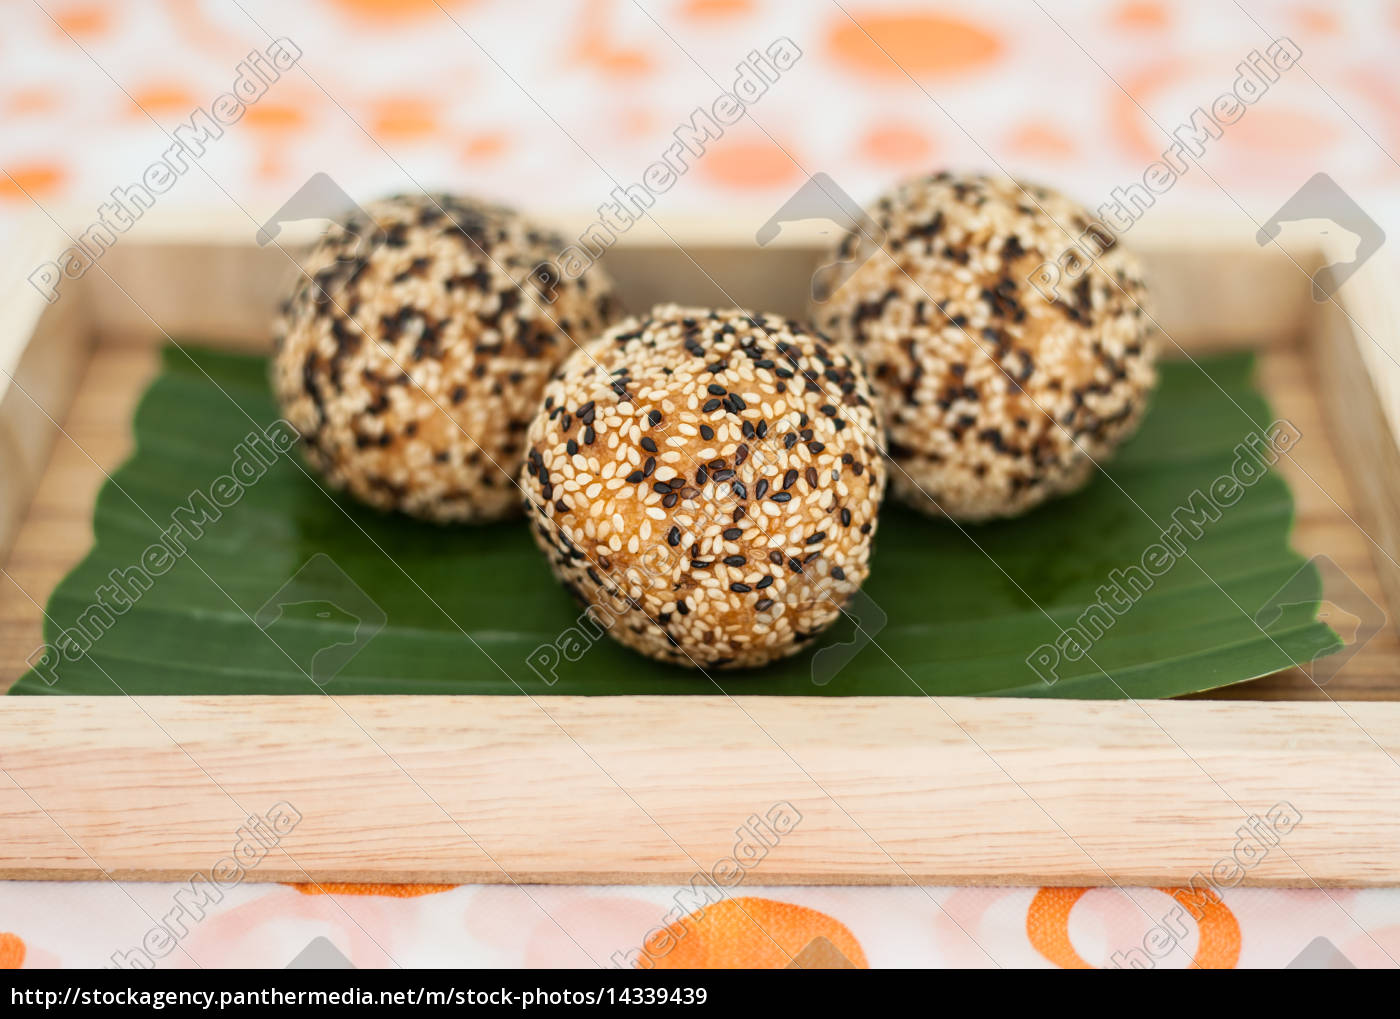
(659, 790)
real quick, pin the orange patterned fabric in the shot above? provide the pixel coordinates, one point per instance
(392, 891)
(11, 951)
(1218, 932)
(747, 933)
(883, 88)
(394, 94)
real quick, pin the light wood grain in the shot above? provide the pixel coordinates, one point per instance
(600, 790)
(95, 437)
(204, 275)
(1357, 340)
(653, 789)
(44, 349)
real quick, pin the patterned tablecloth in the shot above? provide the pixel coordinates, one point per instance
(553, 106)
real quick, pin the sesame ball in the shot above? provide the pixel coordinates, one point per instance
(996, 396)
(707, 482)
(412, 355)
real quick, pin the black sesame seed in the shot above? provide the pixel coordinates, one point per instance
(673, 537)
(740, 588)
(734, 560)
(733, 533)
(648, 444)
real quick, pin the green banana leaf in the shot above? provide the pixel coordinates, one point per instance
(291, 590)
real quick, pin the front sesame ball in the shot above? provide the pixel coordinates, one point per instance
(997, 394)
(413, 353)
(708, 483)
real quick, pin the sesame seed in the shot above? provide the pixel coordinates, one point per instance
(689, 380)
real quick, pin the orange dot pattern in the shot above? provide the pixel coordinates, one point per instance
(407, 90)
(12, 951)
(1218, 932)
(390, 891)
(747, 933)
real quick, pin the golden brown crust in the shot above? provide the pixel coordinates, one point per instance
(413, 371)
(708, 482)
(995, 397)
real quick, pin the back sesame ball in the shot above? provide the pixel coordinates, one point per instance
(997, 396)
(707, 482)
(412, 355)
